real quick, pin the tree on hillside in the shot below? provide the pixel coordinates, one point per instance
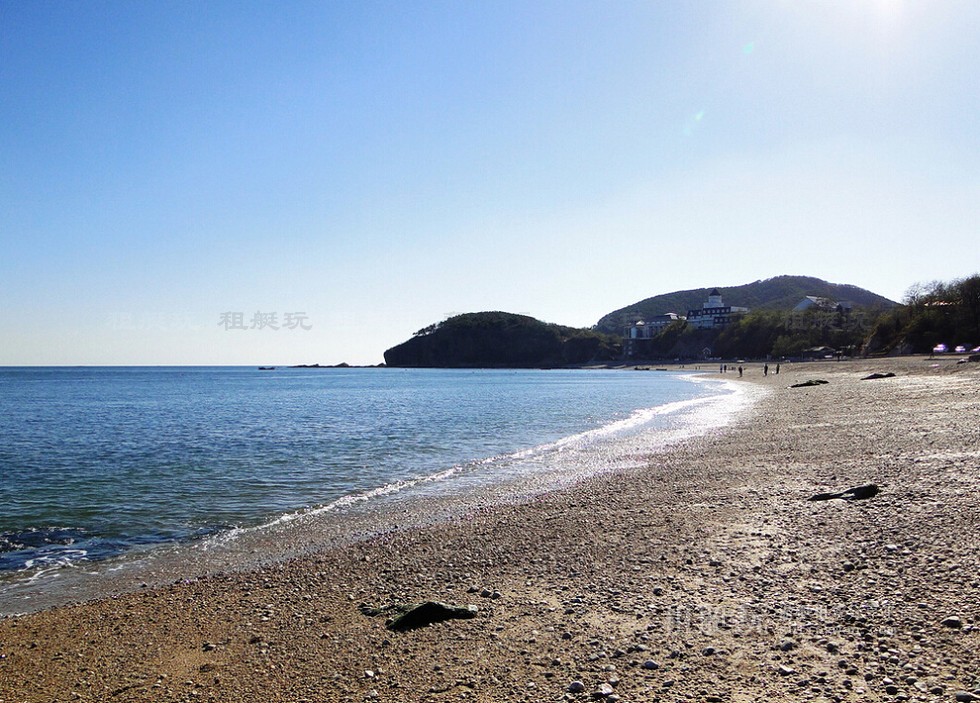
(933, 313)
(968, 294)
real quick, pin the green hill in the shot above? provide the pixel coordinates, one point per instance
(501, 339)
(779, 293)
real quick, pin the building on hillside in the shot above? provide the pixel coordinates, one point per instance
(813, 302)
(714, 313)
(636, 342)
(645, 329)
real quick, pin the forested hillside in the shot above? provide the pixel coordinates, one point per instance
(501, 339)
(779, 293)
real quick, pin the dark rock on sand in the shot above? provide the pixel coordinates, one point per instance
(876, 376)
(857, 493)
(811, 382)
(411, 616)
(604, 691)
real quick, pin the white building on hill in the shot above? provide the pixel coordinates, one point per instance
(648, 328)
(638, 335)
(813, 302)
(714, 313)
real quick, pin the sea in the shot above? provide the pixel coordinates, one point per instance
(113, 478)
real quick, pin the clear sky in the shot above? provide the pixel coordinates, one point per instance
(170, 169)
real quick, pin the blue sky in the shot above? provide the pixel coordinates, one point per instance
(379, 165)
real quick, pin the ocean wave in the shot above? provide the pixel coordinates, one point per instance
(714, 411)
(35, 559)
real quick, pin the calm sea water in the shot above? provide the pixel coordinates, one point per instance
(96, 463)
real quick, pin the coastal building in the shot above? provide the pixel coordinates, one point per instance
(645, 329)
(714, 313)
(813, 302)
(640, 332)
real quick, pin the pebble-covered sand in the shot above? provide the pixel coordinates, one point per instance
(707, 576)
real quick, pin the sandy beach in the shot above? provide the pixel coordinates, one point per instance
(706, 575)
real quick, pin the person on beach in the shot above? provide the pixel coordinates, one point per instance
(777, 369)
(740, 372)
(765, 369)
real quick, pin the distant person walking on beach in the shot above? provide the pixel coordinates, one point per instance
(777, 369)
(740, 372)
(765, 370)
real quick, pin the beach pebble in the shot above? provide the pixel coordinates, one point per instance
(604, 691)
(784, 670)
(966, 697)
(576, 687)
(953, 622)
(651, 665)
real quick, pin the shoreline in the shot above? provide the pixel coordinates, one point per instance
(704, 574)
(402, 505)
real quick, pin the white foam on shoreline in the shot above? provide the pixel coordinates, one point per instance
(717, 409)
(505, 478)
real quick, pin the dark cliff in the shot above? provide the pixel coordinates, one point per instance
(502, 340)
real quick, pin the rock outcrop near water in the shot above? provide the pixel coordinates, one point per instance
(502, 340)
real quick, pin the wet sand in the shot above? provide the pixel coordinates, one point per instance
(706, 575)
